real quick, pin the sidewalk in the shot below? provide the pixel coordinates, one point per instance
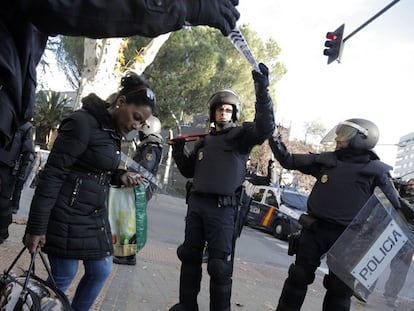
(152, 285)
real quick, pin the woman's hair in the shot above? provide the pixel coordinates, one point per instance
(136, 90)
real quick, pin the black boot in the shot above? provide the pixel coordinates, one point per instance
(190, 279)
(127, 260)
(338, 294)
(220, 296)
(4, 234)
(292, 297)
(178, 307)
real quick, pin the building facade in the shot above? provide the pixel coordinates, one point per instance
(404, 164)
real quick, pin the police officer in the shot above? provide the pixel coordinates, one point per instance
(149, 150)
(345, 179)
(13, 164)
(400, 265)
(218, 165)
(26, 161)
(148, 154)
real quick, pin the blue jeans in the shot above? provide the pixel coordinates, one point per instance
(96, 272)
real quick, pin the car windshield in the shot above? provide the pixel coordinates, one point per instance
(295, 200)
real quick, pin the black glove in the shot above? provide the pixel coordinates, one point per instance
(278, 147)
(178, 145)
(220, 14)
(261, 82)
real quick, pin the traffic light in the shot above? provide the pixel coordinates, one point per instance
(334, 44)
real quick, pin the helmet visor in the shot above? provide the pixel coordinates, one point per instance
(341, 132)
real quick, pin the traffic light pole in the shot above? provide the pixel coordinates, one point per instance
(371, 19)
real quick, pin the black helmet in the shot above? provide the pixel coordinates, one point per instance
(225, 96)
(361, 133)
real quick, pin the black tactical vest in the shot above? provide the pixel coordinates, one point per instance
(220, 167)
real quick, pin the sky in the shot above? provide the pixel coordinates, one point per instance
(374, 81)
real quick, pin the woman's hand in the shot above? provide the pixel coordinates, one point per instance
(130, 179)
(34, 242)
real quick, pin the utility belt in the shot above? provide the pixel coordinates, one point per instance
(222, 200)
(101, 178)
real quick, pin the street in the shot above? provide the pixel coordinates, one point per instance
(261, 267)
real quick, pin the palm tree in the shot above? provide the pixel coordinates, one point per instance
(50, 109)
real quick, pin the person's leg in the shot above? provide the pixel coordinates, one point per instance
(5, 218)
(63, 271)
(338, 294)
(18, 188)
(301, 273)
(91, 283)
(190, 253)
(399, 270)
(7, 181)
(219, 224)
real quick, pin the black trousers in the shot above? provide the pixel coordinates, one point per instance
(313, 244)
(206, 221)
(7, 182)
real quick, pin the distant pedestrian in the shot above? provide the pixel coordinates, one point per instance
(217, 166)
(346, 179)
(401, 263)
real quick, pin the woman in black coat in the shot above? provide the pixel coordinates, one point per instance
(68, 217)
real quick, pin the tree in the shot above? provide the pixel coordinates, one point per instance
(97, 65)
(316, 129)
(188, 68)
(50, 109)
(198, 61)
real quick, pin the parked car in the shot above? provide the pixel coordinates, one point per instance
(276, 210)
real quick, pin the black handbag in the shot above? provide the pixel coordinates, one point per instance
(28, 292)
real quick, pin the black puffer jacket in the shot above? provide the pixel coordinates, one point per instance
(69, 204)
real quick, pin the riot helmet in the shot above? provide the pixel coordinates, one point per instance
(225, 96)
(360, 133)
(152, 126)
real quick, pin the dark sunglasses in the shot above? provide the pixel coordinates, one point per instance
(147, 92)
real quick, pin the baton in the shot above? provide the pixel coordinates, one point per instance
(187, 137)
(240, 43)
(130, 163)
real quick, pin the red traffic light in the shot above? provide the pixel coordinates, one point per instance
(331, 36)
(334, 44)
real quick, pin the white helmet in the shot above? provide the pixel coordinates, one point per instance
(151, 127)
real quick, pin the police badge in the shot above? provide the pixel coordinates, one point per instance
(149, 156)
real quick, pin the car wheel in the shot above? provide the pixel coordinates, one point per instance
(278, 231)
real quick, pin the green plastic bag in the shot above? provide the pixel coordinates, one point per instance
(141, 216)
(127, 213)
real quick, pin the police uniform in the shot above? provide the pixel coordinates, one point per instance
(148, 154)
(217, 166)
(10, 165)
(345, 179)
